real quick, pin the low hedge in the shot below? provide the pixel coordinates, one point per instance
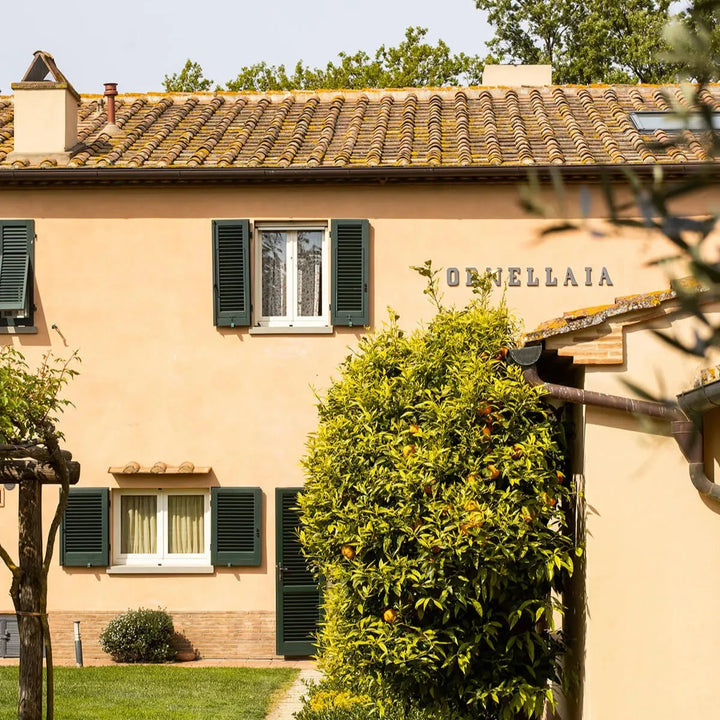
(139, 636)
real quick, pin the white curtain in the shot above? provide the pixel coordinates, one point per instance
(186, 524)
(138, 524)
(309, 273)
(274, 273)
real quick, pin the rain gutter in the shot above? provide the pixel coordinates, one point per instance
(685, 416)
(695, 403)
(204, 176)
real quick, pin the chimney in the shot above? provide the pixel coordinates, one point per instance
(46, 112)
(110, 93)
(516, 75)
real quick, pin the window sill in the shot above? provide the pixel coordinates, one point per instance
(18, 330)
(320, 330)
(160, 570)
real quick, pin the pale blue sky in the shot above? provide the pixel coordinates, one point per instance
(137, 42)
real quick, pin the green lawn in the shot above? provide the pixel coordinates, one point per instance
(150, 692)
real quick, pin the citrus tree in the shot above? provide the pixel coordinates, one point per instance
(435, 511)
(30, 456)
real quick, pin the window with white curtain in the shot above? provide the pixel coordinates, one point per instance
(162, 527)
(291, 287)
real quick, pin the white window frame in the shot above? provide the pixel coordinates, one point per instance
(291, 320)
(161, 558)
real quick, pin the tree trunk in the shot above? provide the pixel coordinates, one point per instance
(28, 600)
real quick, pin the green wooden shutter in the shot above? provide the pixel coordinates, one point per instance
(17, 238)
(9, 637)
(84, 532)
(298, 597)
(236, 526)
(231, 272)
(350, 241)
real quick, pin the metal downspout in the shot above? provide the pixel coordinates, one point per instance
(685, 417)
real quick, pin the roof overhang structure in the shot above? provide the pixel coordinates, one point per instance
(204, 176)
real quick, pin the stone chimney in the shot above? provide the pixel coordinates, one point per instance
(46, 112)
(516, 75)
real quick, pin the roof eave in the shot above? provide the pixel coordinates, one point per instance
(339, 175)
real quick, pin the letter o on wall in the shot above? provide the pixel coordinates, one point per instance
(453, 277)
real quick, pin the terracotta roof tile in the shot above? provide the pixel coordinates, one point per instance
(583, 318)
(416, 127)
(462, 128)
(494, 153)
(328, 132)
(547, 134)
(379, 133)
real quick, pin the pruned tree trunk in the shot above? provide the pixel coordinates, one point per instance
(27, 597)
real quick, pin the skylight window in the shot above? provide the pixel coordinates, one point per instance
(648, 122)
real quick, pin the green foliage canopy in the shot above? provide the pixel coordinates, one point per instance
(30, 400)
(189, 79)
(412, 63)
(584, 40)
(433, 509)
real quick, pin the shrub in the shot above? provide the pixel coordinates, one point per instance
(139, 636)
(435, 510)
(329, 700)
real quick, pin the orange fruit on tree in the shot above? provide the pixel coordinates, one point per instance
(348, 551)
(494, 472)
(414, 429)
(390, 615)
(408, 450)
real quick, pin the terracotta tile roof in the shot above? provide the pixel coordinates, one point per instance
(588, 317)
(421, 127)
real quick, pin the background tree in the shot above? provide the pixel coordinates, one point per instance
(30, 455)
(692, 40)
(584, 40)
(435, 511)
(189, 79)
(413, 63)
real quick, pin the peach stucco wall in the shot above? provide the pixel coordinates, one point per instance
(653, 549)
(126, 276)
